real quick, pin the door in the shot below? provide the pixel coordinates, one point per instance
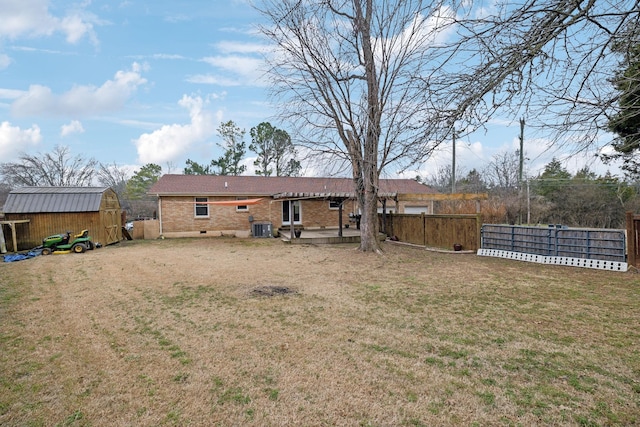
(286, 214)
(110, 223)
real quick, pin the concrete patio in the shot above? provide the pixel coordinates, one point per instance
(317, 236)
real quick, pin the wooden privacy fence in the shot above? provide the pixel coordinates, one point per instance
(441, 231)
(633, 236)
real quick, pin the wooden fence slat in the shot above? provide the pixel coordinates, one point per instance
(442, 231)
(633, 244)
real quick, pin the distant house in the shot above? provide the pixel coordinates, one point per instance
(192, 205)
(54, 210)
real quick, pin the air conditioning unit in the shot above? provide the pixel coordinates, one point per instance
(262, 229)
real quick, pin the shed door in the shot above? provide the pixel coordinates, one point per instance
(111, 225)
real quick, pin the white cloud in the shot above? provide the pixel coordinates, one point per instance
(5, 61)
(81, 100)
(76, 28)
(167, 56)
(31, 18)
(243, 65)
(211, 79)
(250, 167)
(229, 47)
(171, 141)
(233, 70)
(11, 93)
(239, 64)
(469, 155)
(14, 140)
(74, 127)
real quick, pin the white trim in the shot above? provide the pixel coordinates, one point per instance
(245, 207)
(204, 205)
(291, 215)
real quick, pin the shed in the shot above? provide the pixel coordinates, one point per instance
(54, 210)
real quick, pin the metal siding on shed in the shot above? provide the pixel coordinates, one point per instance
(54, 199)
(84, 209)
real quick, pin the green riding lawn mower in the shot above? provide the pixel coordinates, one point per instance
(66, 243)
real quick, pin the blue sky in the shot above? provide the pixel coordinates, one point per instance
(136, 82)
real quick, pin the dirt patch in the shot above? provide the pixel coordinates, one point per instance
(270, 291)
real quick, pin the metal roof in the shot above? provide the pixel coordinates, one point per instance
(54, 199)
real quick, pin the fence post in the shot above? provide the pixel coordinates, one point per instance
(631, 240)
(3, 245)
(478, 231)
(513, 238)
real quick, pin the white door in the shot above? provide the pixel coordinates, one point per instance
(416, 210)
(286, 214)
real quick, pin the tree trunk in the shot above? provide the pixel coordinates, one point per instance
(369, 222)
(369, 169)
(365, 180)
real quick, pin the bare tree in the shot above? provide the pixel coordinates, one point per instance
(55, 169)
(4, 193)
(385, 82)
(502, 175)
(502, 172)
(441, 179)
(352, 75)
(115, 177)
(550, 60)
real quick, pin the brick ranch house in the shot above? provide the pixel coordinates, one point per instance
(212, 205)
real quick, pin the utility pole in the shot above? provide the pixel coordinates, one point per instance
(453, 164)
(520, 170)
(521, 151)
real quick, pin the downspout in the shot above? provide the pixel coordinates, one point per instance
(160, 212)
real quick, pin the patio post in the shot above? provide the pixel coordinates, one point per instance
(340, 219)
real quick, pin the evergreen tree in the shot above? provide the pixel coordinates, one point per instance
(142, 180)
(194, 168)
(626, 122)
(235, 149)
(276, 153)
(552, 179)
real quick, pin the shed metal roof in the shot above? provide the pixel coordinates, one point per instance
(54, 199)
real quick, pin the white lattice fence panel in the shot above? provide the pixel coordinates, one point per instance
(556, 260)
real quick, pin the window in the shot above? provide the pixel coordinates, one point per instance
(202, 208)
(242, 207)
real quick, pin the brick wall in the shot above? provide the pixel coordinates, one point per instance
(316, 213)
(178, 215)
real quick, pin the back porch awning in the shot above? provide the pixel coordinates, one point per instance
(327, 196)
(239, 202)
